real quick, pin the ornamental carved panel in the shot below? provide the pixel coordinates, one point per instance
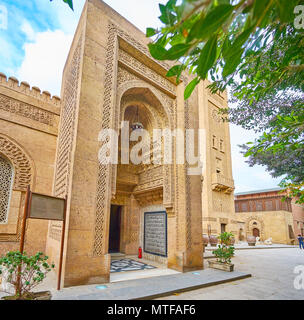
(23, 173)
(26, 110)
(67, 124)
(66, 133)
(6, 177)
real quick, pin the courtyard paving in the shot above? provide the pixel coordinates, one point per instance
(272, 278)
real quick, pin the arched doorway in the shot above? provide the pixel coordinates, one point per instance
(138, 181)
(255, 232)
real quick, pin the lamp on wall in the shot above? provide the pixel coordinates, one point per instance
(137, 125)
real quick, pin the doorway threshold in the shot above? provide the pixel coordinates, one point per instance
(157, 270)
(117, 255)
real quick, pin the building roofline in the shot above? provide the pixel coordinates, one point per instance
(258, 191)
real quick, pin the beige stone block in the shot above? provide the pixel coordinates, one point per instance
(96, 52)
(82, 217)
(82, 270)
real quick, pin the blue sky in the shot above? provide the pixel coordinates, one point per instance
(35, 44)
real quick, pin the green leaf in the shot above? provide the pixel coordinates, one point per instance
(207, 57)
(229, 50)
(259, 9)
(232, 62)
(190, 87)
(177, 39)
(166, 15)
(175, 71)
(70, 3)
(177, 51)
(157, 51)
(207, 25)
(150, 32)
(286, 8)
(242, 38)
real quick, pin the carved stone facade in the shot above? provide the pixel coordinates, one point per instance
(28, 137)
(110, 77)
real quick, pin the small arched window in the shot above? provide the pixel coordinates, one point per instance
(6, 183)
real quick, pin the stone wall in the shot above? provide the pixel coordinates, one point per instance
(217, 181)
(28, 136)
(298, 216)
(271, 224)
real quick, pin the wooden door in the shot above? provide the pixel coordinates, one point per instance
(256, 232)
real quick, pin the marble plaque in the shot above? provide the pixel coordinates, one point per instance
(155, 233)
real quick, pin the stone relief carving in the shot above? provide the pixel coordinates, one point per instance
(6, 177)
(103, 182)
(107, 174)
(23, 174)
(15, 237)
(67, 128)
(67, 124)
(26, 110)
(146, 71)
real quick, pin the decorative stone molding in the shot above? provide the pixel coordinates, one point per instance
(140, 47)
(223, 220)
(67, 124)
(209, 219)
(24, 87)
(150, 197)
(5, 237)
(6, 177)
(222, 183)
(146, 72)
(66, 133)
(23, 165)
(152, 174)
(26, 110)
(104, 174)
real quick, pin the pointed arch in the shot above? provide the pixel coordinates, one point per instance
(22, 164)
(6, 184)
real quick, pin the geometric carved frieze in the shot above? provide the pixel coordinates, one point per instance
(67, 123)
(26, 110)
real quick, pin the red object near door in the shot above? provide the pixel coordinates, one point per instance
(139, 253)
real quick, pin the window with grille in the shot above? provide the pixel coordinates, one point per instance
(268, 205)
(244, 207)
(6, 180)
(259, 206)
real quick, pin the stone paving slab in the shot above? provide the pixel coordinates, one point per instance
(273, 278)
(260, 246)
(151, 287)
